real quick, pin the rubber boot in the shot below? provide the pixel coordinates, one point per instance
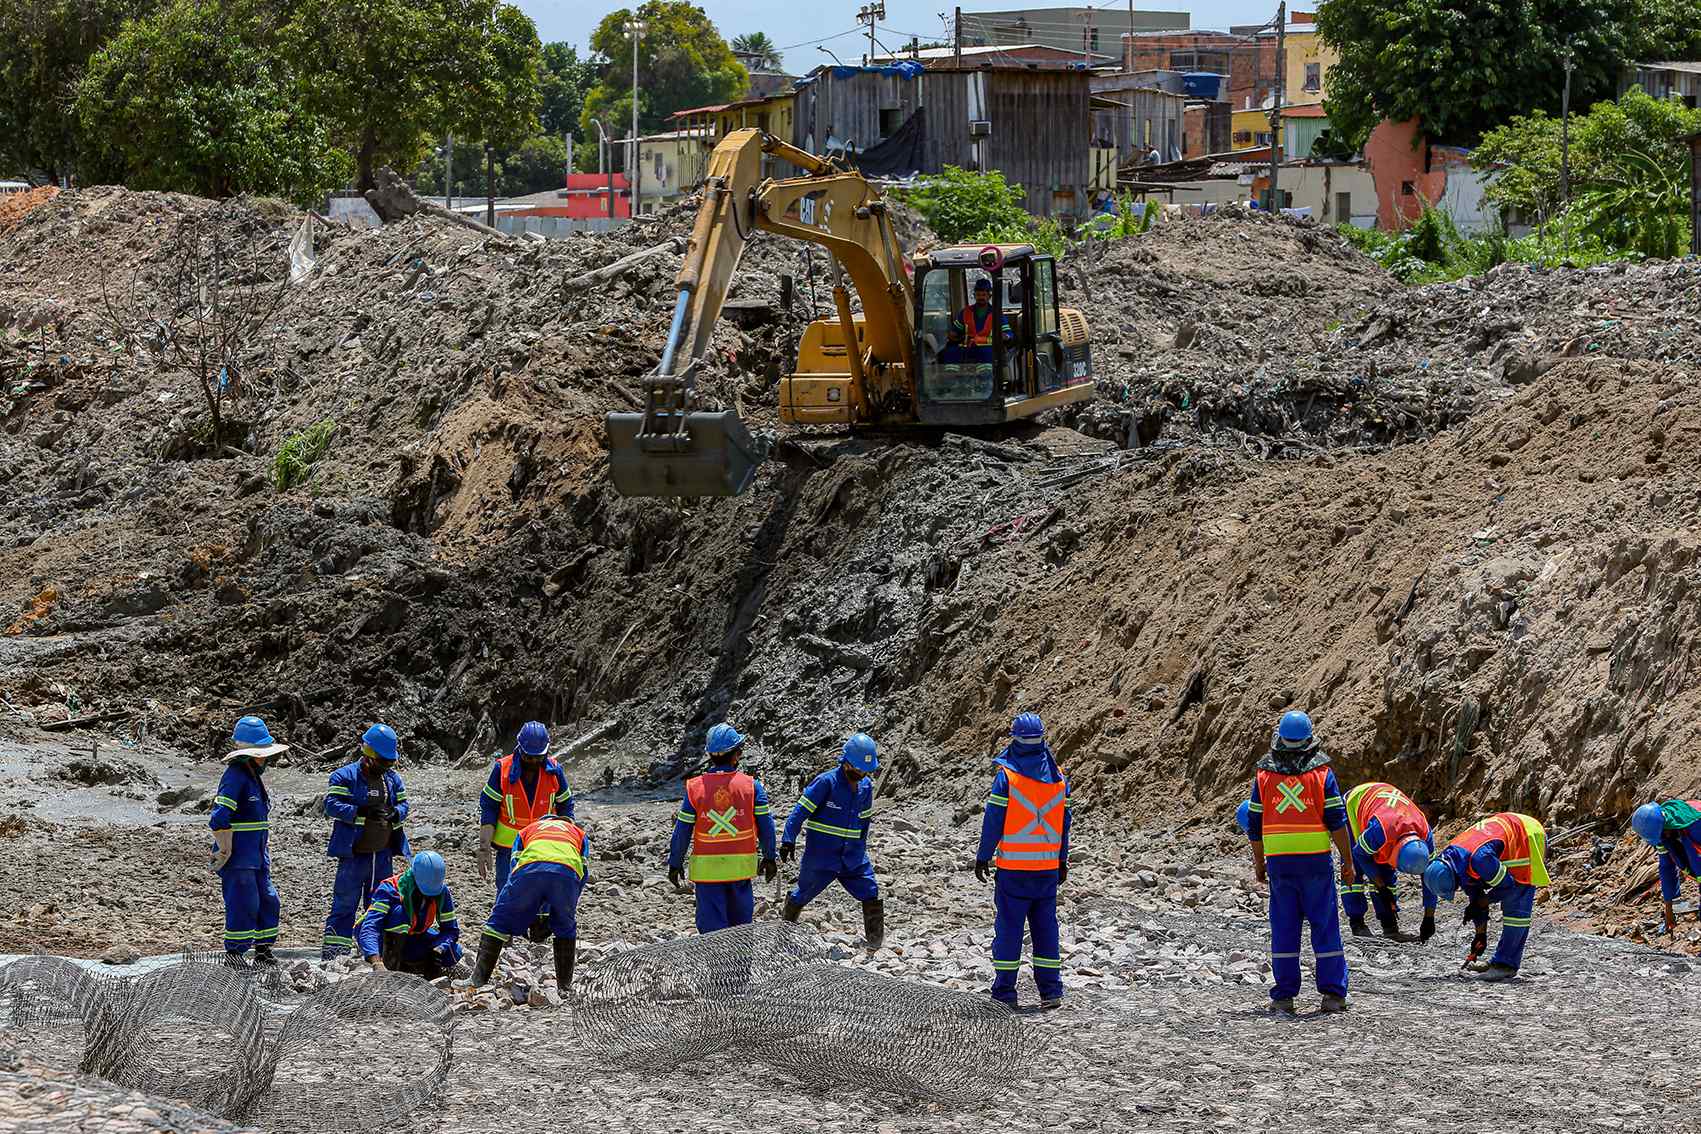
(874, 923)
(1495, 971)
(263, 955)
(1359, 928)
(1392, 931)
(489, 951)
(566, 952)
(792, 909)
(1334, 1003)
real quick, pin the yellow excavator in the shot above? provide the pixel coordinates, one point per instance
(913, 356)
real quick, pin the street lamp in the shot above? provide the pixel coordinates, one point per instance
(635, 29)
(828, 50)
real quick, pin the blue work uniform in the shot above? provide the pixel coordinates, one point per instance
(1024, 901)
(721, 905)
(836, 814)
(490, 803)
(358, 873)
(1377, 878)
(422, 932)
(1517, 900)
(540, 886)
(1679, 854)
(251, 904)
(1302, 888)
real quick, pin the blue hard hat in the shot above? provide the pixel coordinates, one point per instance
(381, 738)
(1243, 816)
(1294, 731)
(859, 753)
(251, 732)
(1413, 857)
(429, 873)
(722, 738)
(1649, 822)
(1028, 726)
(1439, 879)
(533, 739)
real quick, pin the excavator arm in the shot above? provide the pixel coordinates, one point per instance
(670, 450)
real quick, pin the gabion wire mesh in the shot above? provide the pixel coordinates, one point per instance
(767, 992)
(235, 1041)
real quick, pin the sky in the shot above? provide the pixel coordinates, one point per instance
(800, 27)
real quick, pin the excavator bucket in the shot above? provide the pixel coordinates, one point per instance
(714, 456)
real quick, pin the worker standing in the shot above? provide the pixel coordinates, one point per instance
(1296, 812)
(524, 786)
(550, 870)
(836, 809)
(1673, 829)
(1026, 826)
(367, 805)
(1500, 859)
(242, 858)
(411, 925)
(725, 819)
(1389, 834)
(974, 329)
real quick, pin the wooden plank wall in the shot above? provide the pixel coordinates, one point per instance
(839, 111)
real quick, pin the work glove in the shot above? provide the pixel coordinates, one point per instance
(219, 858)
(981, 868)
(1427, 929)
(788, 851)
(486, 859)
(769, 869)
(674, 874)
(377, 963)
(1062, 873)
(1479, 941)
(393, 816)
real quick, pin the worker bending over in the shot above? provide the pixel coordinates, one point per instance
(1026, 825)
(1673, 829)
(242, 856)
(1501, 859)
(1389, 834)
(523, 787)
(411, 925)
(835, 809)
(550, 870)
(367, 805)
(725, 819)
(1296, 812)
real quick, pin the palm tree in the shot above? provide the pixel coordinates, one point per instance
(756, 51)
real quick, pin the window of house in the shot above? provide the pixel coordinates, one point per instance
(1343, 207)
(1314, 76)
(1095, 46)
(1265, 137)
(1407, 189)
(1242, 137)
(890, 120)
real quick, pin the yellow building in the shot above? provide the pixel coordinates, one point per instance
(1249, 129)
(1309, 60)
(709, 124)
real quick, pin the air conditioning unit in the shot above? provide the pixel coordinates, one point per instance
(980, 128)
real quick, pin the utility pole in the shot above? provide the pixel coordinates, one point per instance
(1128, 42)
(635, 29)
(489, 185)
(1276, 107)
(569, 154)
(957, 39)
(871, 14)
(1565, 160)
(449, 171)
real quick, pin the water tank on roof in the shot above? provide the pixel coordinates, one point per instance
(1202, 84)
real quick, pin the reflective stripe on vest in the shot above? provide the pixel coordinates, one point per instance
(553, 839)
(723, 838)
(1400, 819)
(518, 812)
(1523, 848)
(1293, 812)
(1033, 825)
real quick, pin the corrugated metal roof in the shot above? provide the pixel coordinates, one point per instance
(1686, 66)
(1306, 110)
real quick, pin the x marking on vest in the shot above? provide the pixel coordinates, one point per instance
(1390, 796)
(1039, 822)
(720, 822)
(1290, 797)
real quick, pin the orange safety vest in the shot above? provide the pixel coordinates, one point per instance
(425, 917)
(723, 838)
(519, 812)
(1292, 811)
(1400, 818)
(553, 839)
(977, 334)
(1033, 825)
(1523, 842)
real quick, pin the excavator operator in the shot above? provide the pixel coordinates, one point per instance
(971, 332)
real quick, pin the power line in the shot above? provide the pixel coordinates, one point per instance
(824, 39)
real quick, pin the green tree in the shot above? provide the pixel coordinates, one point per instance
(1462, 67)
(960, 204)
(44, 45)
(760, 52)
(193, 97)
(563, 82)
(393, 75)
(682, 62)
